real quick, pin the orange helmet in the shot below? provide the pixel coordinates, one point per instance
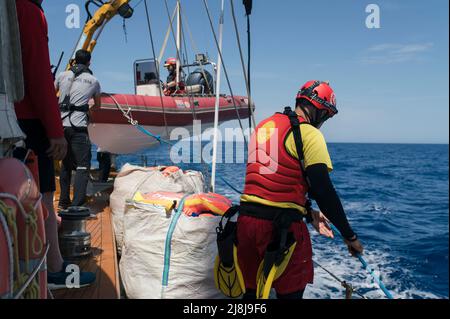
(170, 61)
(319, 94)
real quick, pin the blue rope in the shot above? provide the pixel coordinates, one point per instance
(157, 137)
(161, 140)
(168, 244)
(360, 258)
(368, 268)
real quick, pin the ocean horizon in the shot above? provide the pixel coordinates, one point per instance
(396, 199)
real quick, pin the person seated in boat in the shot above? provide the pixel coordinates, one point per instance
(77, 87)
(171, 86)
(275, 198)
(39, 118)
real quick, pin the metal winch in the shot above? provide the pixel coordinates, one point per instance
(74, 240)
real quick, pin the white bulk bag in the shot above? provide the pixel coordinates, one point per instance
(132, 179)
(151, 250)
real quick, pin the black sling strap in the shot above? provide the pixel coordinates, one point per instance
(66, 106)
(295, 125)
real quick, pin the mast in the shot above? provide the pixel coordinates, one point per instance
(216, 112)
(178, 41)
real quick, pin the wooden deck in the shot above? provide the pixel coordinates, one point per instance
(103, 261)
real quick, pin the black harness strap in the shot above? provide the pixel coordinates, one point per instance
(66, 106)
(295, 125)
(281, 218)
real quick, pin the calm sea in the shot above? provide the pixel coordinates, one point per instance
(397, 199)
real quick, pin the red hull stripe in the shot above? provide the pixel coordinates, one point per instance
(147, 110)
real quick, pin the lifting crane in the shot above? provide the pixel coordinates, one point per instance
(96, 23)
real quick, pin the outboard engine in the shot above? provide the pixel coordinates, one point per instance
(200, 81)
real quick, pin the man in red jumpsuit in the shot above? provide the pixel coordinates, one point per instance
(39, 118)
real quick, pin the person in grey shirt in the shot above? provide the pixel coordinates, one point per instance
(76, 88)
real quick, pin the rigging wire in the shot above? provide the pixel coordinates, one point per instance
(196, 50)
(137, 4)
(184, 47)
(251, 116)
(183, 21)
(125, 33)
(179, 55)
(129, 117)
(249, 58)
(248, 4)
(225, 70)
(171, 30)
(157, 66)
(217, 99)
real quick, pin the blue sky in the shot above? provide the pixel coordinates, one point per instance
(391, 83)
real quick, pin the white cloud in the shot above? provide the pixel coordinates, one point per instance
(390, 53)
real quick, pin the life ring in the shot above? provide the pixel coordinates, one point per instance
(24, 213)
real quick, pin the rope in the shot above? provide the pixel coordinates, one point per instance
(9, 242)
(128, 115)
(368, 268)
(360, 258)
(22, 279)
(224, 70)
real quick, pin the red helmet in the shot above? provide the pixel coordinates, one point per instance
(170, 61)
(320, 94)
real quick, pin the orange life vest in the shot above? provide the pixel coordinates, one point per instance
(273, 175)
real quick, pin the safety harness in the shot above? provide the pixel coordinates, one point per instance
(282, 218)
(66, 105)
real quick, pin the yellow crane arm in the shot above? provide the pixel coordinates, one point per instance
(93, 28)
